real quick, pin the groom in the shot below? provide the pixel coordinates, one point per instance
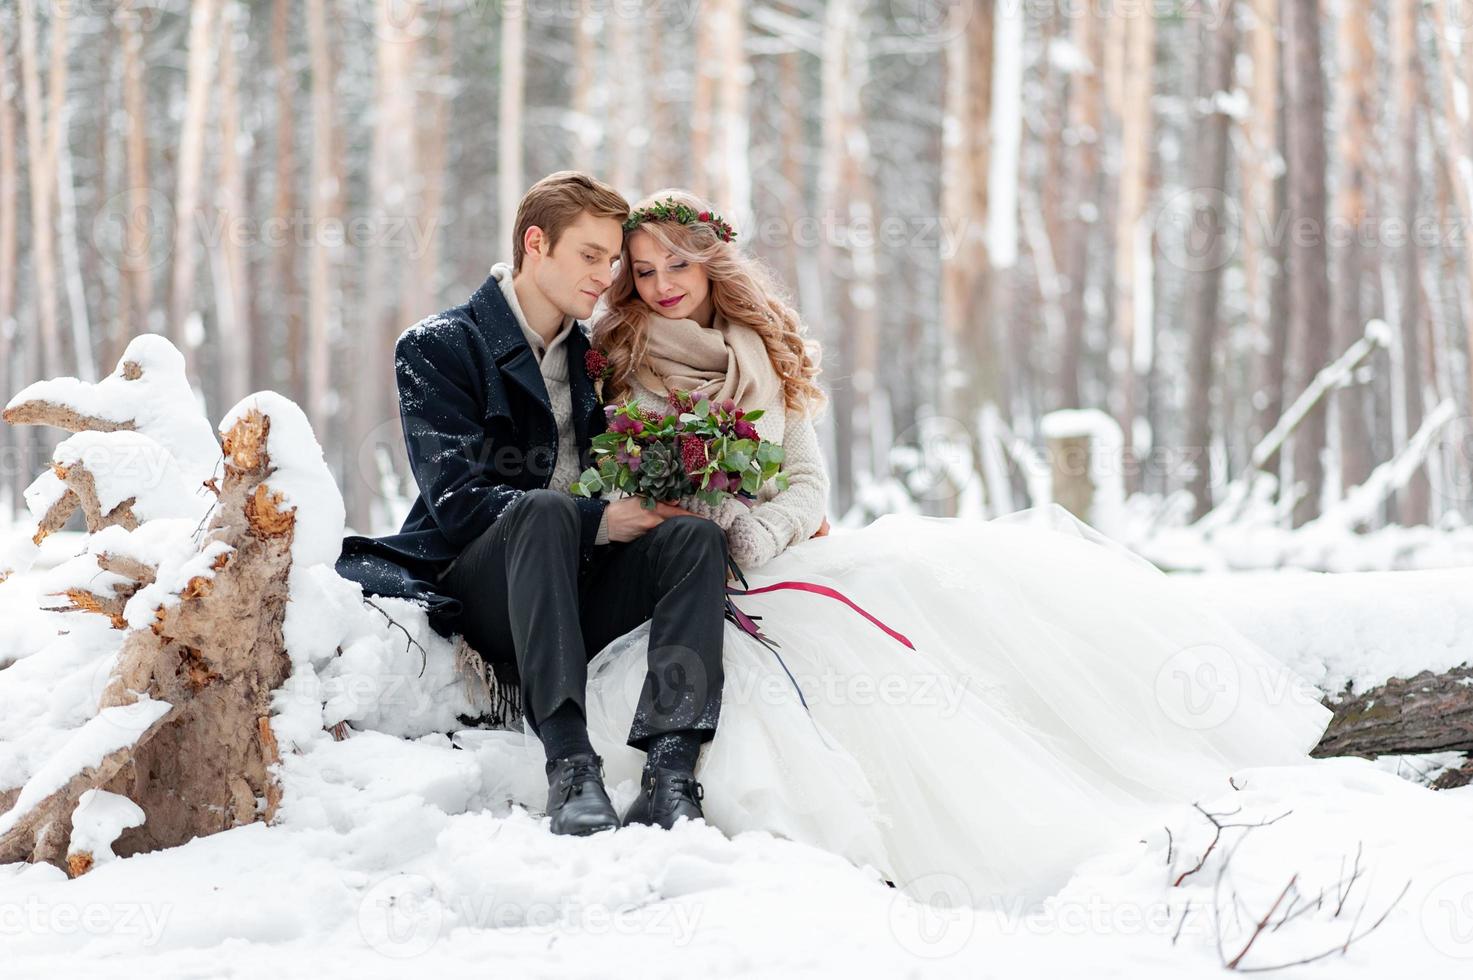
(498, 412)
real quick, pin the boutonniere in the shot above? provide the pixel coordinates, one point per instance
(599, 369)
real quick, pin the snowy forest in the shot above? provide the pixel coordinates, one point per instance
(1136, 636)
(1183, 215)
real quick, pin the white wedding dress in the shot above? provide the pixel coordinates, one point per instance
(1059, 689)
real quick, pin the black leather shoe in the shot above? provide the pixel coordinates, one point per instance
(665, 795)
(576, 799)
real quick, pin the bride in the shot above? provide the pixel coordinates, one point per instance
(970, 707)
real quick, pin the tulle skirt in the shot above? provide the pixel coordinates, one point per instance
(1056, 689)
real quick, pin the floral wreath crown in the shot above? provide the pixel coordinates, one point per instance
(671, 210)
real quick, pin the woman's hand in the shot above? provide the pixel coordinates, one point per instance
(823, 529)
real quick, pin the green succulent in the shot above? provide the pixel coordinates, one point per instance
(661, 474)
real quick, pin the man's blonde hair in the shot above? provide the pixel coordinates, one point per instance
(556, 201)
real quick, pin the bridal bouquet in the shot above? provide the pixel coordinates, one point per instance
(695, 447)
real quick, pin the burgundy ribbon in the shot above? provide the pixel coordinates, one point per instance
(748, 624)
(817, 590)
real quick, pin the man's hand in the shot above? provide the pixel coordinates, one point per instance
(823, 529)
(628, 518)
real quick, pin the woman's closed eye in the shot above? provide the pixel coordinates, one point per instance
(642, 273)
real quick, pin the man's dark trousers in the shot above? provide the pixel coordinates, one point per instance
(525, 597)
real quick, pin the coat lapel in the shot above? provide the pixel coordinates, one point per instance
(514, 357)
(515, 360)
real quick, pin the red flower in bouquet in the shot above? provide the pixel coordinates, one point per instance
(599, 369)
(596, 362)
(693, 455)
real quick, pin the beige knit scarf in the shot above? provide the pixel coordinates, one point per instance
(725, 360)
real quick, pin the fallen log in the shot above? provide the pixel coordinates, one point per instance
(1427, 712)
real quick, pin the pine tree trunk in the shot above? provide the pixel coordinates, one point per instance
(846, 199)
(588, 124)
(326, 195)
(1309, 302)
(232, 307)
(1084, 187)
(287, 290)
(137, 259)
(967, 308)
(1414, 500)
(43, 191)
(200, 81)
(732, 184)
(1131, 238)
(10, 363)
(1357, 126)
(373, 415)
(1208, 241)
(509, 182)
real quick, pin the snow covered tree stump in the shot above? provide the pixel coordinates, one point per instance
(183, 727)
(215, 656)
(1086, 465)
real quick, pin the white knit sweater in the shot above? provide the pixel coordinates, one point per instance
(758, 533)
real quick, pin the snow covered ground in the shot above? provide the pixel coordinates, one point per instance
(395, 855)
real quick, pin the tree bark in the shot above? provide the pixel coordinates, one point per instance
(967, 308)
(1357, 127)
(212, 659)
(287, 290)
(326, 198)
(42, 174)
(1406, 72)
(236, 332)
(1309, 296)
(14, 484)
(1424, 713)
(201, 73)
(1205, 278)
(1083, 186)
(587, 125)
(509, 182)
(391, 203)
(846, 201)
(137, 258)
(1138, 60)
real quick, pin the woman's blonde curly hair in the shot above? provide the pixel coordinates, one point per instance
(742, 291)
